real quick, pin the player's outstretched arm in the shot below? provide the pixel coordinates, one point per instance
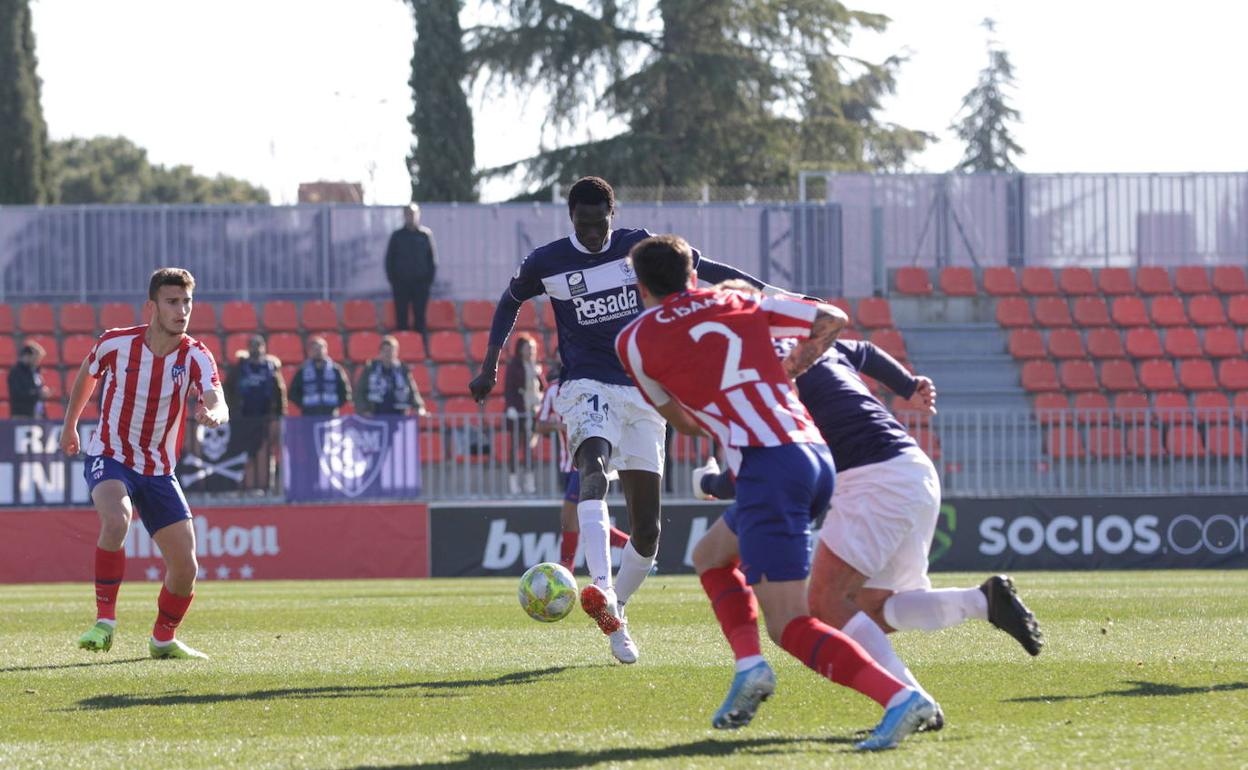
(829, 322)
(505, 315)
(212, 410)
(874, 361)
(79, 394)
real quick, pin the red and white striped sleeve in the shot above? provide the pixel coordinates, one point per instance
(546, 413)
(104, 352)
(788, 317)
(204, 373)
(629, 353)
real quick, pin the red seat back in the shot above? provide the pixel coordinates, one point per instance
(1026, 343)
(1143, 343)
(359, 315)
(280, 315)
(1105, 343)
(1222, 342)
(1182, 342)
(913, 281)
(118, 315)
(1118, 376)
(1039, 376)
(239, 316)
(36, 318)
(1079, 375)
(1076, 281)
(958, 282)
(77, 318)
(1066, 343)
(1129, 311)
(1115, 281)
(1053, 312)
(1153, 280)
(1013, 312)
(874, 313)
(1039, 282)
(1229, 279)
(1206, 310)
(1091, 311)
(1168, 311)
(1190, 279)
(1001, 282)
(1158, 374)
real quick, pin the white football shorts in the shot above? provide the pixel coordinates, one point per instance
(882, 519)
(619, 414)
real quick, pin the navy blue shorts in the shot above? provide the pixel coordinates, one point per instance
(572, 492)
(780, 491)
(157, 499)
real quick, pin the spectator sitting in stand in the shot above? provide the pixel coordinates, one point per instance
(320, 387)
(26, 389)
(386, 386)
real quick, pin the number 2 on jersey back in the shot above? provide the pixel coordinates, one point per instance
(734, 375)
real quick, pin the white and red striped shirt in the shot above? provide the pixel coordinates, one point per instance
(547, 413)
(143, 402)
(712, 351)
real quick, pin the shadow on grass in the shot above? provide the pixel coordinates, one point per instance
(554, 760)
(84, 664)
(1138, 689)
(183, 698)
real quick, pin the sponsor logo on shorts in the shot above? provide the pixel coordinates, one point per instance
(97, 469)
(576, 284)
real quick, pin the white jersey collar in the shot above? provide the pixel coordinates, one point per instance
(576, 244)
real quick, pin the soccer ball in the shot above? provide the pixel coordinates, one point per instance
(547, 592)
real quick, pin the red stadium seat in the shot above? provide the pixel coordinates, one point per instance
(77, 318)
(958, 282)
(319, 315)
(431, 448)
(280, 315)
(461, 405)
(1026, 343)
(76, 347)
(1143, 343)
(1168, 311)
(287, 347)
(1040, 376)
(1105, 442)
(453, 379)
(1222, 342)
(6, 318)
(1092, 408)
(1206, 310)
(447, 347)
(1001, 282)
(1118, 376)
(359, 315)
(440, 315)
(213, 343)
(874, 313)
(1066, 343)
(1065, 441)
(1182, 342)
(1144, 441)
(477, 314)
(1105, 343)
(1153, 280)
(1173, 408)
(1240, 405)
(1212, 406)
(53, 350)
(52, 379)
(526, 321)
(1229, 279)
(36, 318)
(237, 342)
(118, 315)
(363, 346)
(411, 346)
(1039, 282)
(1226, 441)
(1115, 281)
(203, 319)
(1051, 408)
(478, 342)
(53, 410)
(913, 281)
(1129, 311)
(1190, 279)
(890, 340)
(1237, 310)
(1076, 281)
(5, 410)
(1014, 312)
(8, 350)
(1091, 312)
(239, 316)
(422, 378)
(334, 344)
(547, 315)
(1131, 408)
(1233, 374)
(4, 384)
(1185, 441)
(1053, 312)
(1158, 374)
(1079, 375)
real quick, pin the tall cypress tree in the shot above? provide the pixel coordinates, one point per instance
(442, 158)
(986, 110)
(25, 170)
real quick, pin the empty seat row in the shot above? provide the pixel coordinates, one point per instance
(1181, 441)
(1075, 281)
(1181, 342)
(1132, 407)
(867, 313)
(1121, 375)
(1090, 312)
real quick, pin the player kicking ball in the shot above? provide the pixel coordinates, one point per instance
(610, 426)
(704, 359)
(147, 372)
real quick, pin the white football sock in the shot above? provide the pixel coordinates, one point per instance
(633, 570)
(865, 632)
(749, 662)
(595, 540)
(932, 610)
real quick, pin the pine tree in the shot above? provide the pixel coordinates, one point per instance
(25, 176)
(442, 160)
(989, 144)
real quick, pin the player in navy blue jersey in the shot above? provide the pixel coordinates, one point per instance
(610, 427)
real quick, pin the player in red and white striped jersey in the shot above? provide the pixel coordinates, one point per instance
(704, 359)
(148, 372)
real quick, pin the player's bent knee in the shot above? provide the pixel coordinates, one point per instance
(645, 537)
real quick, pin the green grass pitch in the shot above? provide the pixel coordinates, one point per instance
(1141, 669)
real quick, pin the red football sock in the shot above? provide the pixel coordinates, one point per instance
(171, 609)
(110, 566)
(567, 548)
(735, 607)
(618, 538)
(834, 655)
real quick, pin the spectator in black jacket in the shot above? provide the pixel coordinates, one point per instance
(26, 389)
(320, 387)
(256, 395)
(411, 265)
(386, 386)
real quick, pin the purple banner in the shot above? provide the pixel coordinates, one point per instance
(352, 458)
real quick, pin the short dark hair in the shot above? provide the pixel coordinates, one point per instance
(526, 338)
(663, 264)
(33, 348)
(591, 190)
(170, 276)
